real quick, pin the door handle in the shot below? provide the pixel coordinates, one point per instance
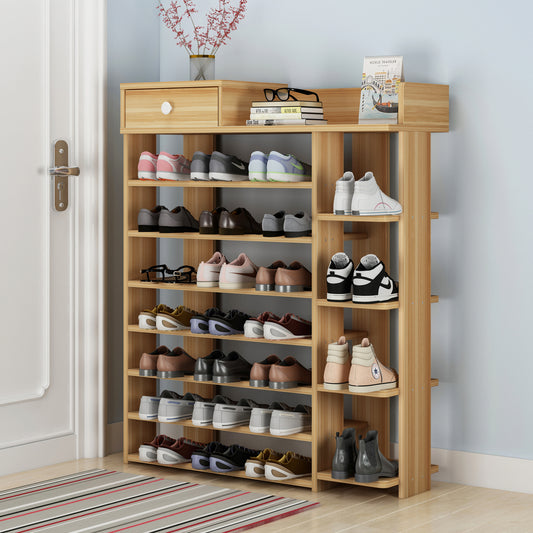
(61, 171)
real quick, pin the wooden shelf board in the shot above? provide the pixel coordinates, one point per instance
(379, 394)
(222, 184)
(134, 372)
(330, 217)
(304, 482)
(344, 128)
(187, 333)
(136, 284)
(243, 430)
(380, 306)
(217, 237)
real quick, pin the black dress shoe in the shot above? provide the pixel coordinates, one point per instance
(203, 368)
(231, 368)
(209, 220)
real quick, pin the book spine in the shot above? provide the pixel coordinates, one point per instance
(281, 122)
(283, 110)
(275, 116)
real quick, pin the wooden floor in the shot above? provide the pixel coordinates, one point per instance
(447, 508)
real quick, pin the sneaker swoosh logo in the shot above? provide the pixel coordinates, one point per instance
(238, 165)
(247, 274)
(389, 284)
(297, 166)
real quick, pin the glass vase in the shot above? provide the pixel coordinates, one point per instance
(202, 67)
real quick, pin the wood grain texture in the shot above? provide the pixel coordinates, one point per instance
(136, 256)
(424, 105)
(341, 106)
(414, 317)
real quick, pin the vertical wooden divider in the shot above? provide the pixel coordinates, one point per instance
(328, 323)
(197, 200)
(371, 152)
(138, 253)
(415, 313)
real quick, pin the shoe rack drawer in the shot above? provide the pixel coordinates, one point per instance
(171, 108)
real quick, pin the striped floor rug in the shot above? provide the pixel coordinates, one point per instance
(105, 501)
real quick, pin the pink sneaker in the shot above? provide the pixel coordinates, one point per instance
(337, 365)
(239, 274)
(209, 271)
(173, 167)
(146, 170)
(367, 373)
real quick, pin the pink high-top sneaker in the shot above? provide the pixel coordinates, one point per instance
(367, 373)
(173, 167)
(146, 170)
(337, 365)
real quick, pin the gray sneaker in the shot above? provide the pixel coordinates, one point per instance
(148, 219)
(281, 167)
(290, 422)
(179, 220)
(149, 407)
(181, 408)
(230, 416)
(227, 168)
(298, 225)
(272, 225)
(200, 166)
(202, 414)
(260, 417)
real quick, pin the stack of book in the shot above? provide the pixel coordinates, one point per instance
(288, 112)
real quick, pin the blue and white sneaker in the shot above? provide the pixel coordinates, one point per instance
(200, 166)
(287, 168)
(257, 168)
(227, 168)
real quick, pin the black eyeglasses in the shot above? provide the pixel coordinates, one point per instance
(284, 93)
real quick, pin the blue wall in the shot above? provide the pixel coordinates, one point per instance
(482, 249)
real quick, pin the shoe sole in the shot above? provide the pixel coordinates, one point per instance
(286, 177)
(145, 373)
(200, 176)
(177, 229)
(340, 474)
(258, 383)
(339, 212)
(168, 457)
(257, 176)
(283, 384)
(170, 419)
(147, 229)
(237, 284)
(199, 325)
(203, 377)
(221, 328)
(291, 288)
(295, 234)
(259, 429)
(147, 453)
(372, 388)
(221, 466)
(170, 374)
(147, 322)
(292, 431)
(207, 284)
(336, 386)
(199, 463)
(373, 299)
(172, 176)
(169, 326)
(219, 425)
(283, 333)
(228, 379)
(375, 213)
(254, 470)
(273, 233)
(145, 175)
(222, 176)
(253, 331)
(200, 423)
(346, 297)
(264, 287)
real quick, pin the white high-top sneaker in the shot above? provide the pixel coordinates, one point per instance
(368, 199)
(343, 194)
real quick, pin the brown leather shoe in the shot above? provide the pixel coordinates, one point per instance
(175, 364)
(238, 222)
(287, 374)
(260, 371)
(289, 326)
(209, 220)
(293, 278)
(148, 362)
(265, 279)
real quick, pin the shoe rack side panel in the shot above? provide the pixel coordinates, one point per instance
(137, 254)
(371, 152)
(197, 200)
(328, 323)
(414, 316)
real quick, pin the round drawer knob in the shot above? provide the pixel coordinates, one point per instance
(166, 108)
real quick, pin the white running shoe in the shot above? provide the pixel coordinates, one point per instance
(368, 199)
(342, 203)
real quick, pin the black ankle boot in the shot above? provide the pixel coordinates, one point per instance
(371, 464)
(343, 466)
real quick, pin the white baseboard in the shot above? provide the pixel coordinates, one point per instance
(37, 454)
(481, 470)
(114, 438)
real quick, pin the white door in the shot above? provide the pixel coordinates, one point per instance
(41, 372)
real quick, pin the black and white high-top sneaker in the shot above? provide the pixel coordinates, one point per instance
(371, 283)
(339, 278)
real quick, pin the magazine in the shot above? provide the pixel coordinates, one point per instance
(379, 90)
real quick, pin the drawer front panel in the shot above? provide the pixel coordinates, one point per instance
(188, 107)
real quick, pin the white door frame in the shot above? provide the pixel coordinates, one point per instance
(89, 211)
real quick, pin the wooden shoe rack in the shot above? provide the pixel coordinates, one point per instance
(201, 111)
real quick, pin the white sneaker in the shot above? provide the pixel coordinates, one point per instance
(368, 199)
(371, 283)
(342, 203)
(257, 168)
